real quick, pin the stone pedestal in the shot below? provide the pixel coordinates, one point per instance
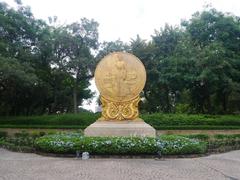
(120, 128)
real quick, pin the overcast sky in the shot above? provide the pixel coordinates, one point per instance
(124, 19)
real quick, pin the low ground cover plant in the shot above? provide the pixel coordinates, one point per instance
(3, 134)
(22, 141)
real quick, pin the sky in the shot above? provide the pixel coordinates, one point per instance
(124, 19)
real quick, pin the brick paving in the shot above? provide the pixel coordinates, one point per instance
(28, 166)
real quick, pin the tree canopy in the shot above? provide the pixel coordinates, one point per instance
(46, 68)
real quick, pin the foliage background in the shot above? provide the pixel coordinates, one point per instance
(45, 68)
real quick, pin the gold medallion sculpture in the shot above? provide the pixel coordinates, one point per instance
(120, 77)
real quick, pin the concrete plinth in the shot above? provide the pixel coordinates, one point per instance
(120, 128)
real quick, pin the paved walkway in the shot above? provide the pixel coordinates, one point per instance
(27, 166)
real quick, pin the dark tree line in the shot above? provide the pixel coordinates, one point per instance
(194, 68)
(45, 68)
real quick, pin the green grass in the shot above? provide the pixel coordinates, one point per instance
(157, 120)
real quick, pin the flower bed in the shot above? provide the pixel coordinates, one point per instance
(69, 143)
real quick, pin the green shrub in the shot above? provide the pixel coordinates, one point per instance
(13, 147)
(72, 142)
(235, 135)
(36, 134)
(23, 134)
(172, 145)
(3, 134)
(42, 133)
(21, 139)
(223, 145)
(182, 108)
(226, 136)
(203, 137)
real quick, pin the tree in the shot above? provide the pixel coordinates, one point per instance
(113, 46)
(218, 37)
(44, 68)
(18, 36)
(72, 48)
(157, 56)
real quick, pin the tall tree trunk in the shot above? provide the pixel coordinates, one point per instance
(168, 108)
(75, 104)
(224, 103)
(54, 104)
(209, 105)
(75, 89)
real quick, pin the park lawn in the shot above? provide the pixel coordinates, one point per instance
(158, 120)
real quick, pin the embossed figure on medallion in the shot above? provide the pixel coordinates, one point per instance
(120, 77)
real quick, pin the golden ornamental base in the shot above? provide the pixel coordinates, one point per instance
(127, 110)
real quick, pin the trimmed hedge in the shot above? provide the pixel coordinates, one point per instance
(157, 120)
(35, 126)
(69, 143)
(156, 127)
(195, 127)
(81, 119)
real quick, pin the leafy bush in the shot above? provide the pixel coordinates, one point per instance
(3, 134)
(223, 145)
(182, 108)
(13, 147)
(172, 144)
(203, 137)
(226, 136)
(23, 134)
(72, 142)
(22, 141)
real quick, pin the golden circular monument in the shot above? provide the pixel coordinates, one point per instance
(120, 77)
